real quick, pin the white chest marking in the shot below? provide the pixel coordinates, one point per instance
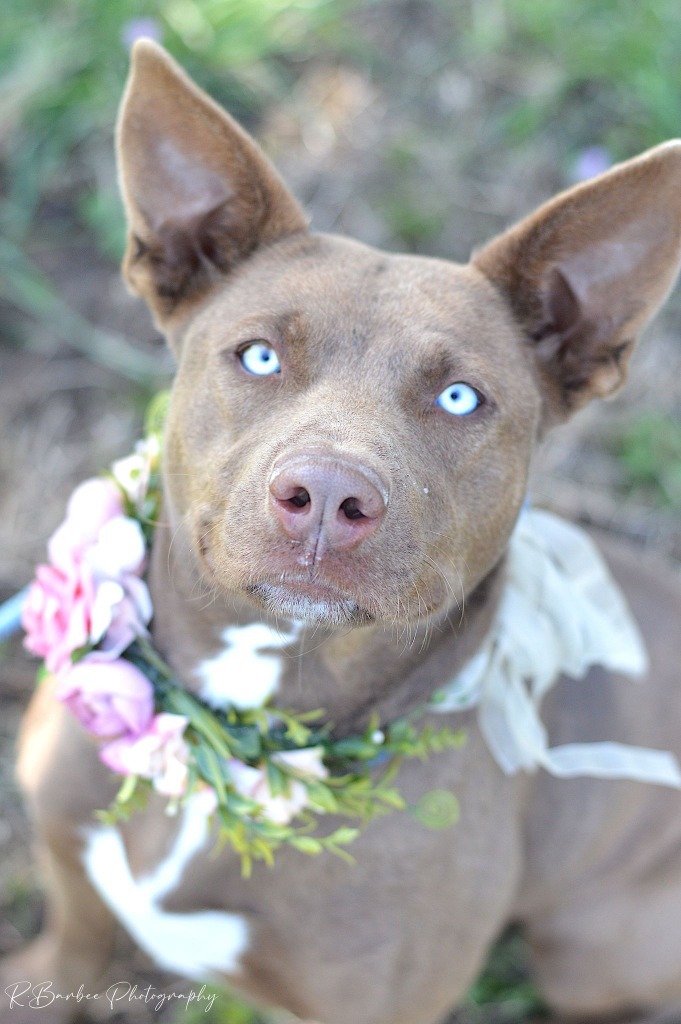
(198, 945)
(241, 674)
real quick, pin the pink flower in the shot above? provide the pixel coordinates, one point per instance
(126, 610)
(254, 784)
(91, 592)
(159, 753)
(118, 549)
(69, 607)
(123, 607)
(92, 504)
(57, 613)
(108, 697)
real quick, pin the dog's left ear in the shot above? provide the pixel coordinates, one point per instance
(199, 194)
(586, 271)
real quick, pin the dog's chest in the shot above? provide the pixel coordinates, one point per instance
(248, 668)
(246, 672)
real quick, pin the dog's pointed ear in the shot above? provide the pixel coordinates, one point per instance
(585, 272)
(199, 194)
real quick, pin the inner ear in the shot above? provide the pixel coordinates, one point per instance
(574, 344)
(562, 313)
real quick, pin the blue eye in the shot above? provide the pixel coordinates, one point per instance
(459, 399)
(260, 359)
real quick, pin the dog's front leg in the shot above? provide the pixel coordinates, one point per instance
(59, 970)
(58, 772)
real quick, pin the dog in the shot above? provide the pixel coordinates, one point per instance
(345, 462)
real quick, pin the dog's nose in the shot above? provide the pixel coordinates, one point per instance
(333, 502)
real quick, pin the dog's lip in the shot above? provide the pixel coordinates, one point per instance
(309, 586)
(308, 598)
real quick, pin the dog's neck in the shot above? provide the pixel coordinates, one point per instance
(351, 673)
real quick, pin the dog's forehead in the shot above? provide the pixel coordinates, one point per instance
(321, 289)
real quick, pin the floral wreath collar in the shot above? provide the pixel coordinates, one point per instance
(265, 774)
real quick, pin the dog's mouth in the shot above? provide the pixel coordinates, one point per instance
(310, 600)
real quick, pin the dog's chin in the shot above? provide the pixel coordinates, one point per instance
(319, 605)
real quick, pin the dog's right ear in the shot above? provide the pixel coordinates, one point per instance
(199, 194)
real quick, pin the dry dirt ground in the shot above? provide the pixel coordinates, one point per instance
(352, 148)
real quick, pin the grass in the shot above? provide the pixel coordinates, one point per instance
(574, 67)
(574, 70)
(592, 69)
(505, 988)
(226, 1009)
(63, 64)
(649, 452)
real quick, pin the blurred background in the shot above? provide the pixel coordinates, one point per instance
(414, 125)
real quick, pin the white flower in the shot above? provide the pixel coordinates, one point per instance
(133, 472)
(254, 784)
(306, 762)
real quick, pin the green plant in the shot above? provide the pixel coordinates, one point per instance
(63, 64)
(606, 72)
(62, 68)
(504, 993)
(650, 454)
(226, 1009)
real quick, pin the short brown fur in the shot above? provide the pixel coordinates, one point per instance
(541, 320)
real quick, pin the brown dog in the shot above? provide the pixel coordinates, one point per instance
(318, 481)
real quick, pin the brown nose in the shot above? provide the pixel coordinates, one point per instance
(330, 502)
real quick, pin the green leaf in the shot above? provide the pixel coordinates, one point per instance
(245, 742)
(264, 851)
(298, 733)
(43, 675)
(392, 798)
(322, 797)
(239, 805)
(279, 781)
(437, 809)
(306, 844)
(212, 771)
(344, 835)
(354, 748)
(157, 413)
(127, 790)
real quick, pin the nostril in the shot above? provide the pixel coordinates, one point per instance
(297, 501)
(351, 510)
(328, 504)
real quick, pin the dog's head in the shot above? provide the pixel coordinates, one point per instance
(350, 431)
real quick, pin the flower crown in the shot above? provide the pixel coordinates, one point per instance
(264, 773)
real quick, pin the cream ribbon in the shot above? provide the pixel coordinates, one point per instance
(560, 614)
